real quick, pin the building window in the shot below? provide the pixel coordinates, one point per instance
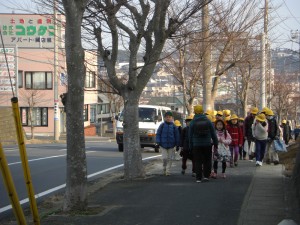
(103, 109)
(38, 80)
(86, 113)
(38, 116)
(20, 79)
(93, 113)
(90, 80)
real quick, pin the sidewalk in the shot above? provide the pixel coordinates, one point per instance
(262, 196)
(270, 198)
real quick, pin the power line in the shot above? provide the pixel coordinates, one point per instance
(290, 12)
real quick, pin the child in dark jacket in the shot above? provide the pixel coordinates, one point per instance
(241, 148)
(186, 152)
(237, 139)
(167, 137)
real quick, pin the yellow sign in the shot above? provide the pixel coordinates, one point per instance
(7, 127)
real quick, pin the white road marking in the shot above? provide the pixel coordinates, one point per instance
(38, 159)
(23, 201)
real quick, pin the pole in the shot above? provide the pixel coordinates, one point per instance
(56, 100)
(207, 85)
(101, 124)
(263, 72)
(267, 53)
(10, 187)
(24, 159)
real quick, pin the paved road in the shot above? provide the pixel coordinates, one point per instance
(48, 165)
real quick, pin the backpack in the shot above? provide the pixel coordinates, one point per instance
(201, 127)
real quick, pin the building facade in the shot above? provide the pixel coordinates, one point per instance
(29, 50)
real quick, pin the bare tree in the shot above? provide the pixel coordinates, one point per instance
(76, 183)
(139, 26)
(234, 27)
(232, 42)
(185, 64)
(284, 90)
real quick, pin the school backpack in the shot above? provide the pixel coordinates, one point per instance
(201, 127)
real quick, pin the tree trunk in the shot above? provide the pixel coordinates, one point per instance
(133, 165)
(214, 91)
(206, 58)
(76, 178)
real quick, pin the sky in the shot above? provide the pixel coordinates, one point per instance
(284, 17)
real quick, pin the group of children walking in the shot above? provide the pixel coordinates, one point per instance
(209, 142)
(228, 150)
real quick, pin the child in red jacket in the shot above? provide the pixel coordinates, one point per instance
(237, 139)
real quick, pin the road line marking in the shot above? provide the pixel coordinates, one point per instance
(64, 149)
(38, 159)
(50, 157)
(23, 201)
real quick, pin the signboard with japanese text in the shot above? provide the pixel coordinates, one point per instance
(29, 30)
(9, 71)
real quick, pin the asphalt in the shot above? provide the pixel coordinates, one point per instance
(249, 195)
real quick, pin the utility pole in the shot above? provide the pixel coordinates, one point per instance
(267, 53)
(264, 48)
(181, 68)
(263, 72)
(56, 100)
(207, 85)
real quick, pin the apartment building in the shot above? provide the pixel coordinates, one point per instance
(29, 47)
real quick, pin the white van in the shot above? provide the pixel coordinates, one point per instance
(150, 117)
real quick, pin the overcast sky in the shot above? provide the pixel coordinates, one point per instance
(284, 17)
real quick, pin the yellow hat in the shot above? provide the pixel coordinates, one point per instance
(177, 123)
(226, 112)
(198, 109)
(261, 117)
(220, 113)
(254, 110)
(190, 117)
(209, 117)
(241, 119)
(283, 121)
(269, 112)
(215, 112)
(209, 112)
(234, 117)
(265, 109)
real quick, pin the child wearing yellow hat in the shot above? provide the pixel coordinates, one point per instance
(185, 152)
(260, 133)
(237, 139)
(179, 127)
(248, 136)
